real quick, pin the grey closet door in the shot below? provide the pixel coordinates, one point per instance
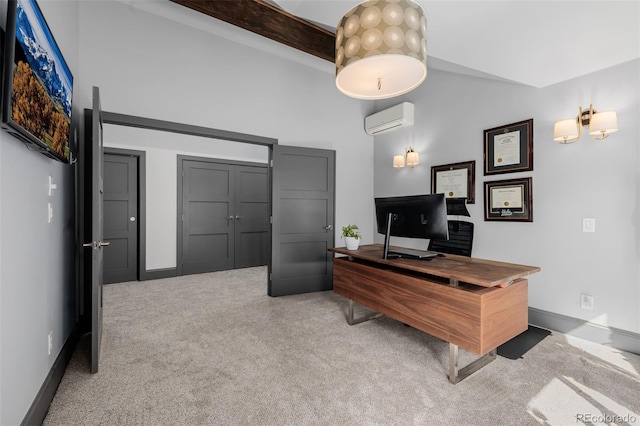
(251, 219)
(303, 220)
(207, 223)
(120, 218)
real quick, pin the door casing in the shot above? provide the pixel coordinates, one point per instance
(166, 126)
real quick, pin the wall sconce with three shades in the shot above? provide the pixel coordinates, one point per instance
(601, 125)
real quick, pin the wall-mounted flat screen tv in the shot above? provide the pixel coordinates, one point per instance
(37, 83)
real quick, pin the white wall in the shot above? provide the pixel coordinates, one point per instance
(157, 68)
(599, 179)
(37, 259)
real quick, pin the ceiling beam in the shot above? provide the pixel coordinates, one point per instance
(269, 21)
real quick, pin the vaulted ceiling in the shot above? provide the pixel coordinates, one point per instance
(536, 42)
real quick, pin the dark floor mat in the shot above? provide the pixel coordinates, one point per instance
(520, 345)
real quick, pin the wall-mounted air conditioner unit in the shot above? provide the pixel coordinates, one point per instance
(397, 116)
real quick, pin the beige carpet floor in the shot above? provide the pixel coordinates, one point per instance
(214, 349)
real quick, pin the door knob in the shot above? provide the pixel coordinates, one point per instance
(238, 217)
(132, 219)
(229, 217)
(103, 244)
(328, 227)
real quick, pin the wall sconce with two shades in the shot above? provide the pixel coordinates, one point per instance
(601, 125)
(411, 159)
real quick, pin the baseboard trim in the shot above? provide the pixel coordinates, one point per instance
(156, 274)
(608, 336)
(40, 406)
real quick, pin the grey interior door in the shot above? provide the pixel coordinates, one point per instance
(251, 218)
(207, 216)
(303, 202)
(120, 218)
(94, 136)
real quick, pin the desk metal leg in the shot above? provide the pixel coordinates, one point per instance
(353, 321)
(456, 375)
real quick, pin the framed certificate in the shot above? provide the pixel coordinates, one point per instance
(509, 148)
(455, 180)
(508, 200)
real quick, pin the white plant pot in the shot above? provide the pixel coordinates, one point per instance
(352, 243)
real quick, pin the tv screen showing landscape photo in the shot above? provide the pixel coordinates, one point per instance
(38, 83)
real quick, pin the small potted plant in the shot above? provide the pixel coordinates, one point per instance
(351, 236)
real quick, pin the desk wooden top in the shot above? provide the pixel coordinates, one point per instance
(482, 272)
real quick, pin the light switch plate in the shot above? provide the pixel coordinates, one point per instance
(588, 224)
(52, 186)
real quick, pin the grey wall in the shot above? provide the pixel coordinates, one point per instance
(173, 72)
(37, 259)
(598, 179)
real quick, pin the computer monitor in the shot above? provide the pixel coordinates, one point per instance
(412, 216)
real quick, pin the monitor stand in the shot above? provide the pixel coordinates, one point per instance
(387, 237)
(409, 253)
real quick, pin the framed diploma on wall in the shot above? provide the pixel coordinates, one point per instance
(455, 180)
(509, 148)
(508, 200)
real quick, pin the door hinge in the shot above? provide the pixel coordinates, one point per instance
(271, 220)
(270, 277)
(271, 163)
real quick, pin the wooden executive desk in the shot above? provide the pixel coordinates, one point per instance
(471, 303)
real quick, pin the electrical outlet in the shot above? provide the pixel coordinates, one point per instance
(50, 341)
(586, 302)
(588, 224)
